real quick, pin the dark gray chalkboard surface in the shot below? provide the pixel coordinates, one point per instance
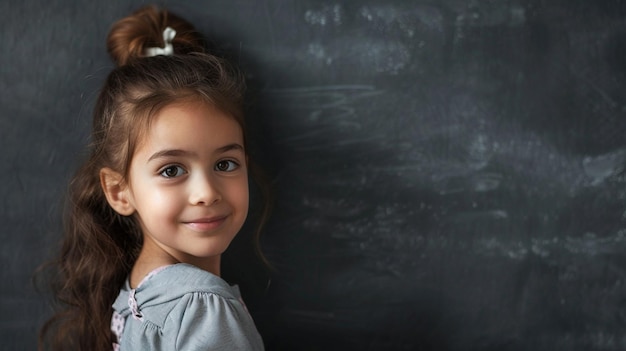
(449, 174)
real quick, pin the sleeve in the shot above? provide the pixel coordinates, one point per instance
(207, 321)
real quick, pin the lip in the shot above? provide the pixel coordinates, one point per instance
(205, 224)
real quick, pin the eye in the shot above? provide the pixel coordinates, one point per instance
(172, 171)
(226, 166)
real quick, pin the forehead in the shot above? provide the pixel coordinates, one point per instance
(191, 125)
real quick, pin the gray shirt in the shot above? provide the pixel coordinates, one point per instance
(183, 307)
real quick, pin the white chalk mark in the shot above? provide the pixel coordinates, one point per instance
(599, 168)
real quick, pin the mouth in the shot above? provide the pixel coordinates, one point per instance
(205, 224)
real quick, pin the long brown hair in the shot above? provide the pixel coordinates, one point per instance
(100, 246)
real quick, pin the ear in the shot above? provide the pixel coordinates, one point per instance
(116, 191)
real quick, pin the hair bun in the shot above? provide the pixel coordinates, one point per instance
(132, 35)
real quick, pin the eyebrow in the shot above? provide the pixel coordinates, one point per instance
(229, 147)
(181, 153)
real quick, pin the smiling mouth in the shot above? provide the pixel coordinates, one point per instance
(205, 224)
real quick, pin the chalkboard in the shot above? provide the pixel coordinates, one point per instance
(448, 175)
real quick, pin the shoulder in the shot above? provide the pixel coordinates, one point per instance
(171, 283)
(212, 318)
(184, 278)
(191, 309)
(159, 294)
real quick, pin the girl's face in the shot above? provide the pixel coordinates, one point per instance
(188, 184)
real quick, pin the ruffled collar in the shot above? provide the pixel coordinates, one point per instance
(169, 283)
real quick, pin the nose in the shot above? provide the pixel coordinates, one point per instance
(204, 190)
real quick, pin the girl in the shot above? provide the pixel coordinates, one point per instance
(162, 195)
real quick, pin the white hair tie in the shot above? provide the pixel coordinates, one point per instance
(168, 35)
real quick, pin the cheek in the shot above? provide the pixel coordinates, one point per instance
(154, 200)
(240, 196)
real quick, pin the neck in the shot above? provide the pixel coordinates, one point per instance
(210, 264)
(152, 257)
